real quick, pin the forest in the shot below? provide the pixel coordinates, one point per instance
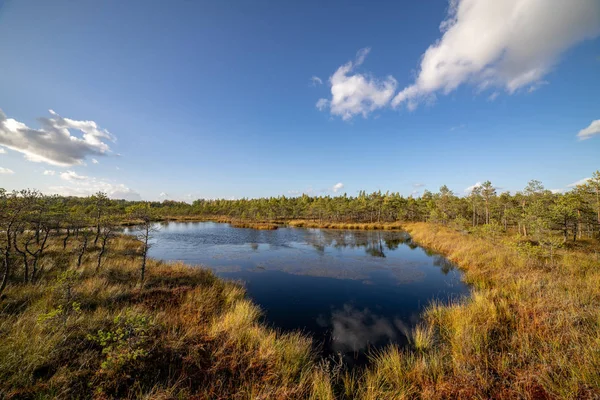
(85, 313)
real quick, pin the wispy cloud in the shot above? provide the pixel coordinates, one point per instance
(49, 172)
(90, 185)
(592, 130)
(418, 185)
(536, 86)
(457, 127)
(53, 143)
(6, 171)
(493, 96)
(315, 80)
(357, 94)
(508, 44)
(579, 182)
(94, 161)
(2, 151)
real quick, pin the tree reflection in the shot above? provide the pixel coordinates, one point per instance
(445, 265)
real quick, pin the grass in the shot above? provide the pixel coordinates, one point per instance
(186, 333)
(254, 225)
(300, 223)
(530, 330)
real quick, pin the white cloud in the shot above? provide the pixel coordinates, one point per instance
(94, 161)
(556, 191)
(418, 185)
(163, 194)
(592, 130)
(355, 93)
(337, 187)
(72, 176)
(6, 171)
(509, 44)
(53, 142)
(85, 186)
(472, 187)
(315, 80)
(49, 172)
(2, 151)
(579, 182)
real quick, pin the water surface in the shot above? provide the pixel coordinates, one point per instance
(351, 290)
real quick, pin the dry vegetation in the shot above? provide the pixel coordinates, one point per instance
(300, 223)
(530, 330)
(80, 334)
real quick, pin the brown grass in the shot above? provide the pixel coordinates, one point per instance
(254, 225)
(530, 330)
(300, 223)
(187, 333)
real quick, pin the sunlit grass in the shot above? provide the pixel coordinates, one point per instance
(528, 330)
(299, 223)
(204, 337)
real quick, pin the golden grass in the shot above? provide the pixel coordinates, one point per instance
(254, 225)
(529, 331)
(300, 223)
(188, 333)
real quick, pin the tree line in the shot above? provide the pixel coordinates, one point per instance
(28, 218)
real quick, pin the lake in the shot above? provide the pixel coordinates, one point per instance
(352, 291)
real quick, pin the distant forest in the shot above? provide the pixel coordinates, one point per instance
(534, 211)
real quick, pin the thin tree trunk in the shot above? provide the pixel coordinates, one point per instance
(66, 238)
(102, 250)
(6, 264)
(25, 260)
(82, 251)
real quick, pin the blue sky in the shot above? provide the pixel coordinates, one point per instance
(217, 99)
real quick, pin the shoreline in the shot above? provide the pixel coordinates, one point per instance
(187, 318)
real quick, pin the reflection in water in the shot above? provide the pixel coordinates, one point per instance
(351, 290)
(445, 265)
(355, 330)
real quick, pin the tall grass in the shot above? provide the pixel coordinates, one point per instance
(186, 333)
(529, 330)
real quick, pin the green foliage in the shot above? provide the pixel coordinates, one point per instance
(492, 231)
(66, 306)
(127, 341)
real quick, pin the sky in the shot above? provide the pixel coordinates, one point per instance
(182, 100)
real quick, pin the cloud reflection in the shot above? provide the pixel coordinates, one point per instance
(355, 330)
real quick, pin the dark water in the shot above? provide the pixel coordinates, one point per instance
(351, 290)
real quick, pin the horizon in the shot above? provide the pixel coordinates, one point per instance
(208, 101)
